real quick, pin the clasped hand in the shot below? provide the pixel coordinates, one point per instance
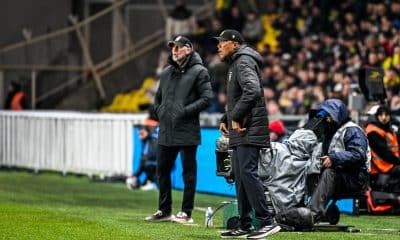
(235, 126)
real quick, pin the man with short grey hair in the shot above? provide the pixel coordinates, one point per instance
(184, 91)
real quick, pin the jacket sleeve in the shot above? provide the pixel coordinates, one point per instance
(378, 144)
(224, 119)
(157, 102)
(250, 86)
(203, 87)
(355, 153)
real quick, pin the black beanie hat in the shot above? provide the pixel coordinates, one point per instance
(383, 109)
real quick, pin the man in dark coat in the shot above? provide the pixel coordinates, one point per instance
(184, 91)
(247, 121)
(344, 156)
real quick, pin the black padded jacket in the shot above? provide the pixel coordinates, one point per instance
(246, 104)
(184, 92)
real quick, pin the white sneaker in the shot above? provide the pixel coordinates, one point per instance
(183, 218)
(149, 186)
(131, 182)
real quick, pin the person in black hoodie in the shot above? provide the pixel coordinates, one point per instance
(184, 91)
(246, 125)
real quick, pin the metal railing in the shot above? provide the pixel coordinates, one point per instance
(96, 70)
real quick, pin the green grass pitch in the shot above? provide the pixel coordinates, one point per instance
(51, 206)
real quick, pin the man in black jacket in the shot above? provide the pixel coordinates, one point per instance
(184, 91)
(247, 121)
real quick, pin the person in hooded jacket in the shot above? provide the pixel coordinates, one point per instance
(384, 145)
(184, 91)
(246, 125)
(344, 157)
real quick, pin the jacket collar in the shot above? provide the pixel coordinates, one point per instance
(183, 66)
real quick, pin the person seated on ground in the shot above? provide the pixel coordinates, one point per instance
(277, 131)
(344, 156)
(385, 162)
(148, 160)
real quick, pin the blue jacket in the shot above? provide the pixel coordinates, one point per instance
(348, 151)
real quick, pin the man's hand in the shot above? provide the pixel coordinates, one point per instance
(326, 161)
(236, 127)
(223, 129)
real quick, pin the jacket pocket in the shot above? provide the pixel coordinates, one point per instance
(177, 114)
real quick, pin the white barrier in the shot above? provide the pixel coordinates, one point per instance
(86, 143)
(76, 142)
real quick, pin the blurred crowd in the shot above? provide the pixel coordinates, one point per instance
(312, 49)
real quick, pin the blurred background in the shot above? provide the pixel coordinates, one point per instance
(105, 55)
(79, 54)
(86, 71)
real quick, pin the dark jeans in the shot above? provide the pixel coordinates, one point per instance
(249, 189)
(166, 159)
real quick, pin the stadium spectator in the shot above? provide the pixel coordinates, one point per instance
(184, 91)
(319, 44)
(218, 72)
(180, 21)
(148, 159)
(234, 19)
(16, 98)
(277, 131)
(253, 29)
(245, 123)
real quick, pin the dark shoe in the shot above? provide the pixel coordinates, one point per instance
(264, 231)
(159, 216)
(237, 233)
(183, 218)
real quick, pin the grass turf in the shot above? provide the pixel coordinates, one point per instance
(50, 206)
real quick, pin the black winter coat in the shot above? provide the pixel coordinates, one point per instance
(183, 93)
(246, 103)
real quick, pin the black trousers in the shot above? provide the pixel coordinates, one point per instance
(249, 189)
(166, 159)
(322, 193)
